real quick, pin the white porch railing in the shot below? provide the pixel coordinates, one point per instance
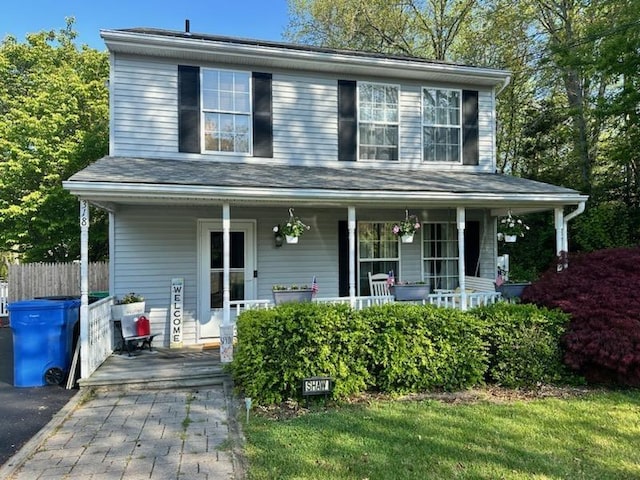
(440, 299)
(4, 294)
(100, 336)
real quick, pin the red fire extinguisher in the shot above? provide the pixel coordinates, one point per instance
(142, 326)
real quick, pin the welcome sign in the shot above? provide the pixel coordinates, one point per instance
(177, 296)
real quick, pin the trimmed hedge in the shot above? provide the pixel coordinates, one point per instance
(416, 348)
(395, 348)
(524, 344)
(279, 347)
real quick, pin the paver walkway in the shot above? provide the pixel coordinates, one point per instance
(166, 434)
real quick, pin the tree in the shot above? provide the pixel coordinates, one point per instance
(424, 28)
(53, 123)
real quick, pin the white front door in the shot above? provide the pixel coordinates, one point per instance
(241, 276)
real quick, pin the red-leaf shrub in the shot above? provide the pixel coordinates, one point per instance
(601, 291)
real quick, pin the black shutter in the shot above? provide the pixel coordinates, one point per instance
(470, 155)
(188, 109)
(343, 258)
(262, 115)
(347, 121)
(471, 248)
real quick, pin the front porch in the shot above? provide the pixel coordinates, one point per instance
(200, 365)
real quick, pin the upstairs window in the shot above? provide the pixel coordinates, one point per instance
(226, 106)
(441, 125)
(378, 121)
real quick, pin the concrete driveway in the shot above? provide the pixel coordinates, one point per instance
(24, 411)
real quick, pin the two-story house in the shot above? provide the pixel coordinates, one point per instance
(214, 139)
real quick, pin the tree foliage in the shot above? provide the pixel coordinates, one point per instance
(571, 113)
(601, 292)
(53, 122)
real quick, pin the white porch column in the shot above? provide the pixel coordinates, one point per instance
(560, 233)
(226, 329)
(84, 289)
(226, 264)
(461, 223)
(351, 227)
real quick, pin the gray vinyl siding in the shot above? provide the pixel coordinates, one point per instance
(315, 254)
(305, 122)
(152, 246)
(486, 131)
(305, 130)
(145, 99)
(411, 125)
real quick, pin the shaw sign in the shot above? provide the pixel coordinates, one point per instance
(316, 386)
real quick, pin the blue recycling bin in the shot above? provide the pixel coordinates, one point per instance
(42, 339)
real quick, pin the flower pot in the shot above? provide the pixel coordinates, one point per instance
(291, 239)
(510, 238)
(512, 290)
(409, 292)
(118, 311)
(407, 238)
(286, 296)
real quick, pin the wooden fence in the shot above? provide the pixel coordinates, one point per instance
(32, 280)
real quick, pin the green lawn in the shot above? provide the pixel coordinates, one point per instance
(596, 436)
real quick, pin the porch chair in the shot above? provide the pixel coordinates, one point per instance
(378, 285)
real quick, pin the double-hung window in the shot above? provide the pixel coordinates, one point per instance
(226, 105)
(378, 121)
(441, 125)
(378, 251)
(440, 255)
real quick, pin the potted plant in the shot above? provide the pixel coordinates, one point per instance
(292, 229)
(510, 290)
(409, 291)
(292, 293)
(511, 227)
(130, 304)
(407, 227)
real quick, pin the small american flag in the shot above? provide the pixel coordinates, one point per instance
(390, 279)
(314, 286)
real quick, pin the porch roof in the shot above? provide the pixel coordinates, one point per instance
(126, 179)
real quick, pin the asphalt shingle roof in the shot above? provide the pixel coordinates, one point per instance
(127, 170)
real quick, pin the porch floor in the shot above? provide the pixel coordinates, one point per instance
(159, 369)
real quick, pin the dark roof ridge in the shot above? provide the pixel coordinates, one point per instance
(291, 46)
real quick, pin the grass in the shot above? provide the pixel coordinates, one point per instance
(596, 436)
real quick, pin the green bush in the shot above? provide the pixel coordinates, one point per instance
(524, 344)
(279, 347)
(417, 348)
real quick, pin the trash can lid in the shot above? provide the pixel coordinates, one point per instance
(37, 304)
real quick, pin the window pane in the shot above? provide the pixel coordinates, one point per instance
(378, 251)
(226, 95)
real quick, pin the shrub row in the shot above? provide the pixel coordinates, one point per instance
(395, 348)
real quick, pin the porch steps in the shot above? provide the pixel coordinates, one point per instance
(160, 369)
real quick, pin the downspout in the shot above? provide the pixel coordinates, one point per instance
(567, 219)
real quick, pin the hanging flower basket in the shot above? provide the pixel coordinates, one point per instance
(292, 229)
(407, 238)
(407, 227)
(511, 227)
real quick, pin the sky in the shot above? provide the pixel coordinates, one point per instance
(257, 19)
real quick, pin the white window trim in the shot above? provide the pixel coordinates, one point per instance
(397, 87)
(423, 124)
(203, 110)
